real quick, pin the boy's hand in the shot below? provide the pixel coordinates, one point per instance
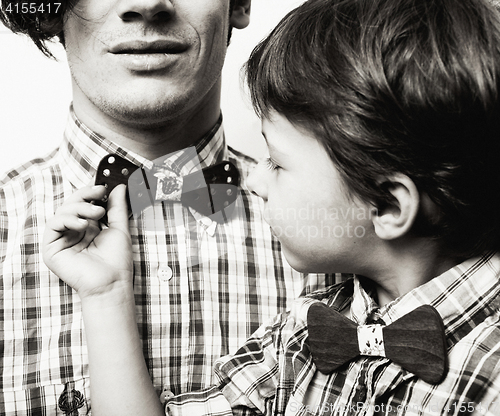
(92, 261)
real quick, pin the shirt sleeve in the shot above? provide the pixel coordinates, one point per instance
(247, 380)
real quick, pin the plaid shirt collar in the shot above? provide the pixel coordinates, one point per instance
(464, 296)
(82, 149)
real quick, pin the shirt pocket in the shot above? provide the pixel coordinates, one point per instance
(69, 399)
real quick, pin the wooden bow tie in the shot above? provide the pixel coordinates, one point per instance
(416, 341)
(208, 191)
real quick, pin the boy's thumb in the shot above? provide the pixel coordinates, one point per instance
(117, 209)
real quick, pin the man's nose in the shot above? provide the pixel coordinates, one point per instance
(149, 10)
(256, 181)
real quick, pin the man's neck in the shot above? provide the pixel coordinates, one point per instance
(152, 141)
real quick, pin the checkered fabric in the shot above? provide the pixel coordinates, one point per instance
(274, 374)
(200, 289)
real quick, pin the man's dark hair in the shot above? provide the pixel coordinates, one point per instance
(397, 86)
(43, 25)
(46, 23)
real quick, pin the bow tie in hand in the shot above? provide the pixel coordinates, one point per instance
(208, 191)
(416, 341)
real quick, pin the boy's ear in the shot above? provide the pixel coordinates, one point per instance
(240, 17)
(396, 218)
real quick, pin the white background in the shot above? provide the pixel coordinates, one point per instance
(35, 91)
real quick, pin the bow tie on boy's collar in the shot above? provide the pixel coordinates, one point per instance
(416, 341)
(209, 193)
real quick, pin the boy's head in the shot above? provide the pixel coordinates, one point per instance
(394, 87)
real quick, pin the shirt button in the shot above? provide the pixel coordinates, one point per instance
(206, 221)
(165, 273)
(165, 396)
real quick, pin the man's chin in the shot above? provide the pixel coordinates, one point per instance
(142, 111)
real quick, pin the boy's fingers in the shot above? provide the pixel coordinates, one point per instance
(62, 223)
(87, 194)
(117, 209)
(81, 209)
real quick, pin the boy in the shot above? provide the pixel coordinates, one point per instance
(146, 78)
(382, 123)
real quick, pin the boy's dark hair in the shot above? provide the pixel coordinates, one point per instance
(46, 22)
(397, 86)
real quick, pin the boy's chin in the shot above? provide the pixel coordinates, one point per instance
(300, 264)
(306, 265)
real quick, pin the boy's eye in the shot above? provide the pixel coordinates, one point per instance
(271, 164)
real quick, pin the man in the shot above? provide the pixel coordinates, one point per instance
(369, 130)
(146, 83)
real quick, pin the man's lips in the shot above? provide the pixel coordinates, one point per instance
(140, 56)
(141, 47)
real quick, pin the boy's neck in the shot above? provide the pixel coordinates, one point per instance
(408, 266)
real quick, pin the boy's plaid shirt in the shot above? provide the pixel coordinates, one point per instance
(190, 311)
(274, 374)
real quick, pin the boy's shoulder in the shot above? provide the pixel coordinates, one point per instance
(482, 342)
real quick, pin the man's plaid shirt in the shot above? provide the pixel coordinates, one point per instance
(274, 374)
(200, 291)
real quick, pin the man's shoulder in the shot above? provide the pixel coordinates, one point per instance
(244, 162)
(25, 171)
(24, 185)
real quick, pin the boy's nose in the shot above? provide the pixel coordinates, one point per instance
(255, 181)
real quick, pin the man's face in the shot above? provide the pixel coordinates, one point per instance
(144, 62)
